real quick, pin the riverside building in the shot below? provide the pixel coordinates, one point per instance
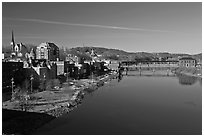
(187, 62)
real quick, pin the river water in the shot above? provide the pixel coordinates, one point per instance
(135, 105)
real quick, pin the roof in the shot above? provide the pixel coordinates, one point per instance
(186, 58)
(48, 45)
(53, 45)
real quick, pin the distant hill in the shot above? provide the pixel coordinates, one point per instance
(197, 56)
(123, 55)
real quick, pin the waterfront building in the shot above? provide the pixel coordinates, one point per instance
(48, 51)
(187, 62)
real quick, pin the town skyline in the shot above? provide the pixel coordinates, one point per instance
(132, 27)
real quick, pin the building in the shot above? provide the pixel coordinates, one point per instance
(68, 68)
(94, 56)
(72, 59)
(60, 67)
(48, 51)
(2, 56)
(98, 66)
(199, 63)
(46, 72)
(187, 62)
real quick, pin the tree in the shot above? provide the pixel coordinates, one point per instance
(21, 93)
(51, 84)
(113, 57)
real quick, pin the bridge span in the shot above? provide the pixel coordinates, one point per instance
(153, 67)
(149, 64)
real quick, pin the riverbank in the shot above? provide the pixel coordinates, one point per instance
(50, 104)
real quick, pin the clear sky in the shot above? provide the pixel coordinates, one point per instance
(135, 27)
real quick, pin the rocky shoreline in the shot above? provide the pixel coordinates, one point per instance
(76, 99)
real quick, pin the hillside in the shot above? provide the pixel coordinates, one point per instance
(123, 55)
(197, 56)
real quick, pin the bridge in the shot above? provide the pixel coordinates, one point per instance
(149, 64)
(143, 67)
(171, 62)
(155, 73)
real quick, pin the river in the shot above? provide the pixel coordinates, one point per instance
(136, 105)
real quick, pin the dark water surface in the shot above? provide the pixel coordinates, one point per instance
(136, 105)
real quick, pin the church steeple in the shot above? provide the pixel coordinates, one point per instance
(12, 42)
(12, 36)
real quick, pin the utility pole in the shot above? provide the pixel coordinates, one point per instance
(140, 68)
(44, 77)
(12, 85)
(31, 83)
(92, 69)
(67, 74)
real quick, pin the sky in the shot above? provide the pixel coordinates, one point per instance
(133, 27)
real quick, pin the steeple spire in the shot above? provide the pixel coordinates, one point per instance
(12, 41)
(12, 36)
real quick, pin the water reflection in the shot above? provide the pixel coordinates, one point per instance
(89, 90)
(187, 80)
(120, 76)
(200, 81)
(183, 79)
(190, 103)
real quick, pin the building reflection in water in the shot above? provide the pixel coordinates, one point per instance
(120, 75)
(187, 80)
